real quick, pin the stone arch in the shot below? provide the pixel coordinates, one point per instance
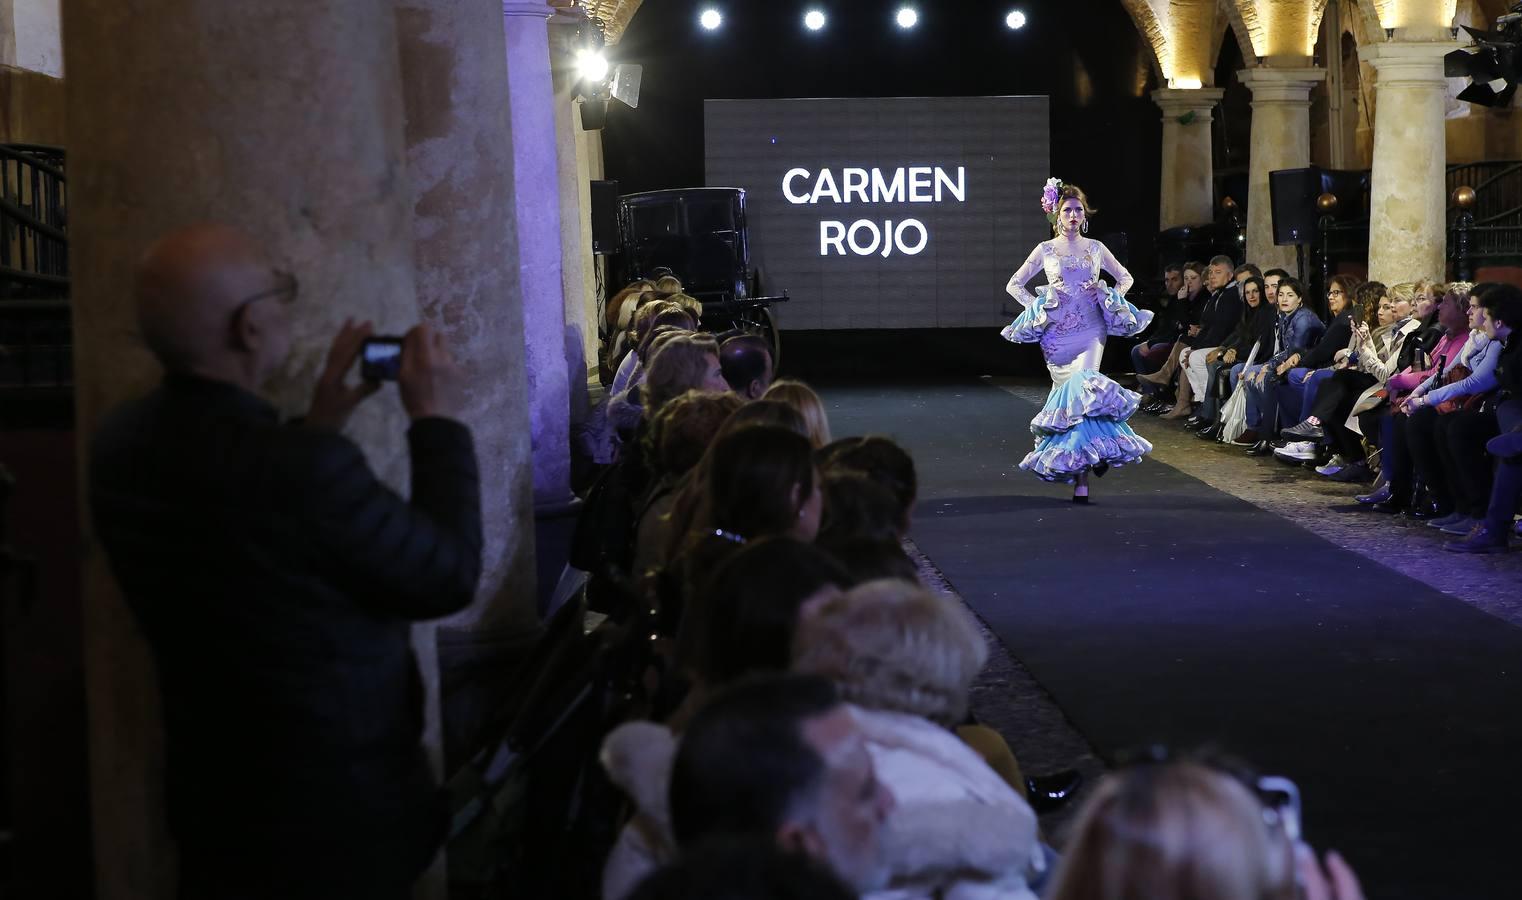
(1245, 24)
(1236, 29)
(1154, 36)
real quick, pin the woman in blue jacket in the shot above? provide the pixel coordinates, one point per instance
(1296, 329)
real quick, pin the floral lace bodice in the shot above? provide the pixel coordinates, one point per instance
(1067, 273)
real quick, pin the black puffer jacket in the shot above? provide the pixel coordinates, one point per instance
(276, 580)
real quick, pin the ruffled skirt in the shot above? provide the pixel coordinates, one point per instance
(1083, 424)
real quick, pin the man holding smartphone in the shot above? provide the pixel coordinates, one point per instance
(276, 578)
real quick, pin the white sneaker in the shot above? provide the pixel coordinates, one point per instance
(1297, 450)
(1333, 466)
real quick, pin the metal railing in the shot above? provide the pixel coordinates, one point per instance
(34, 244)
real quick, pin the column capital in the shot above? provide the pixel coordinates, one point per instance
(538, 8)
(1269, 84)
(1181, 101)
(1408, 62)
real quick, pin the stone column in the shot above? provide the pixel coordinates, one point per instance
(460, 163)
(1407, 200)
(1281, 139)
(1188, 188)
(536, 185)
(285, 119)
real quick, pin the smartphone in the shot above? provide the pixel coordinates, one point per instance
(1281, 802)
(380, 359)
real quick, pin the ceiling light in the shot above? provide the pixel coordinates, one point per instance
(1015, 19)
(908, 18)
(813, 20)
(711, 19)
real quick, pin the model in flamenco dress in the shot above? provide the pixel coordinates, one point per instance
(1082, 429)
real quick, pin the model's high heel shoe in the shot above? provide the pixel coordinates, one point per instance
(1081, 489)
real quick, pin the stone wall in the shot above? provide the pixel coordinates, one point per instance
(32, 109)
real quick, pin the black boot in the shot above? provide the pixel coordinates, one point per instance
(1048, 792)
(1261, 448)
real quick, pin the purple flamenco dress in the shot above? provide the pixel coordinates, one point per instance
(1083, 424)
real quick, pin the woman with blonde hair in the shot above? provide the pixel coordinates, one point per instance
(802, 398)
(685, 362)
(1186, 831)
(905, 657)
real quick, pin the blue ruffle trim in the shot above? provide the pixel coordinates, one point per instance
(1121, 317)
(1084, 425)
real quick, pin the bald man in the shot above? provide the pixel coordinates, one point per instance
(747, 363)
(276, 578)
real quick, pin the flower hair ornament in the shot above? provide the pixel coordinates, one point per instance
(1049, 198)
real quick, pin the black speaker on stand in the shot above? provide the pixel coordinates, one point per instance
(604, 217)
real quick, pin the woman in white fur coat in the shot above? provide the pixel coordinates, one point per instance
(905, 658)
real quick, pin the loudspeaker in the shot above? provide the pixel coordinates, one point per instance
(1292, 196)
(594, 114)
(604, 217)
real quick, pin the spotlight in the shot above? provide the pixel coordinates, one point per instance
(908, 18)
(1015, 20)
(813, 20)
(711, 19)
(592, 66)
(1493, 63)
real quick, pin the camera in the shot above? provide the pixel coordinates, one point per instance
(380, 358)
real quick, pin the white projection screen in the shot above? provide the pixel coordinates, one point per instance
(885, 212)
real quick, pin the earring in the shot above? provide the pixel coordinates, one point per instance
(1084, 227)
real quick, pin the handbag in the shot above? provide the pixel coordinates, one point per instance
(1454, 404)
(1234, 412)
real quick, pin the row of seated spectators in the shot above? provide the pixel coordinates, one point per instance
(1412, 387)
(807, 732)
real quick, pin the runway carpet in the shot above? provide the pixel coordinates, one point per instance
(1170, 612)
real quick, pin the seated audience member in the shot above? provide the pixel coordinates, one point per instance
(754, 869)
(1187, 831)
(689, 511)
(883, 461)
(781, 758)
(1425, 358)
(668, 284)
(689, 304)
(1255, 330)
(1148, 354)
(650, 317)
(276, 579)
(1192, 298)
(1295, 326)
(905, 658)
(1246, 271)
(747, 364)
(1446, 411)
(1302, 371)
(856, 507)
(688, 362)
(761, 482)
(1221, 310)
(869, 560)
(802, 397)
(1503, 305)
(1364, 367)
(677, 439)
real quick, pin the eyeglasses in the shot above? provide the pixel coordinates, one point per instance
(286, 288)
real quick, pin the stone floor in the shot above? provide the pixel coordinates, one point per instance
(1006, 697)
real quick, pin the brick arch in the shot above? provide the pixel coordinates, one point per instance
(1248, 28)
(1154, 35)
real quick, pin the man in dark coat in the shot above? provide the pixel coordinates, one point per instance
(276, 580)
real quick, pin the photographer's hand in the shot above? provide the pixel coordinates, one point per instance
(1337, 882)
(430, 381)
(333, 400)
